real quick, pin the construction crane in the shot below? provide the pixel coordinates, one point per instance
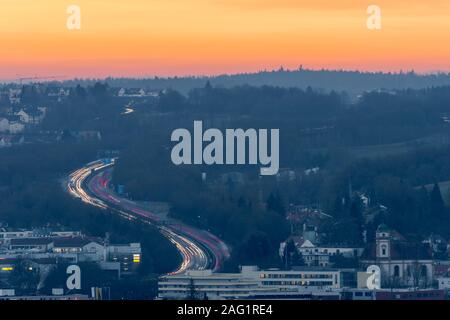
(38, 78)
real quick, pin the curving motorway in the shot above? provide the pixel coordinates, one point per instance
(199, 249)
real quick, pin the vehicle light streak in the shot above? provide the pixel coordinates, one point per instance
(199, 249)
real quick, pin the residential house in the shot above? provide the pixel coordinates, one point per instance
(134, 92)
(24, 116)
(10, 140)
(438, 246)
(4, 125)
(32, 116)
(5, 142)
(59, 93)
(306, 222)
(43, 111)
(88, 135)
(286, 174)
(16, 127)
(15, 96)
(121, 92)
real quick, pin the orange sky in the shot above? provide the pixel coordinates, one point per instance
(180, 37)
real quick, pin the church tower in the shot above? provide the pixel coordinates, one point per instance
(383, 242)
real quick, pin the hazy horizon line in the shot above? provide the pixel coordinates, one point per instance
(216, 75)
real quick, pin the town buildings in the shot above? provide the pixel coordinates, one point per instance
(53, 247)
(137, 93)
(408, 269)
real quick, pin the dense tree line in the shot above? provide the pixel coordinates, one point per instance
(84, 109)
(347, 140)
(354, 82)
(317, 130)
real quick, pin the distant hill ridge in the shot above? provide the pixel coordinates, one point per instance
(354, 82)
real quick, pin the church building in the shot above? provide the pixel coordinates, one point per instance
(402, 263)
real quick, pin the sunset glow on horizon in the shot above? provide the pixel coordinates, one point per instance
(206, 37)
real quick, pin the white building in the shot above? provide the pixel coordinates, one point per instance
(135, 92)
(121, 92)
(16, 127)
(35, 245)
(15, 96)
(4, 125)
(6, 234)
(401, 263)
(286, 175)
(43, 112)
(34, 117)
(59, 93)
(24, 116)
(250, 283)
(5, 142)
(319, 256)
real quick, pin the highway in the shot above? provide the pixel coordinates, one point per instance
(128, 109)
(199, 249)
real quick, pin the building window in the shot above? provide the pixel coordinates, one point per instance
(396, 271)
(423, 271)
(384, 250)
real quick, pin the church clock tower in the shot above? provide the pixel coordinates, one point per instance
(383, 242)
